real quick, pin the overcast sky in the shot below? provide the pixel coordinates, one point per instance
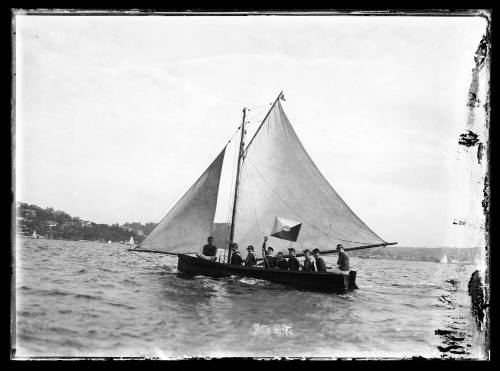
(116, 117)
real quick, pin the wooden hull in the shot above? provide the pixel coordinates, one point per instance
(317, 281)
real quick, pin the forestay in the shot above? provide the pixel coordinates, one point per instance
(188, 224)
(279, 179)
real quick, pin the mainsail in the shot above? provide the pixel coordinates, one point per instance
(279, 179)
(190, 221)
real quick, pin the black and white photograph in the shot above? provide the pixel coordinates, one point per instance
(260, 184)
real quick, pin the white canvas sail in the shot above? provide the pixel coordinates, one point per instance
(188, 224)
(444, 259)
(131, 241)
(278, 178)
(34, 235)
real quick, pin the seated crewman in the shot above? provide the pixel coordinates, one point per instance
(209, 250)
(319, 262)
(292, 263)
(267, 255)
(250, 260)
(308, 263)
(343, 260)
(280, 261)
(236, 258)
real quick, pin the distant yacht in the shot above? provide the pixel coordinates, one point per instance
(131, 241)
(444, 259)
(109, 241)
(34, 235)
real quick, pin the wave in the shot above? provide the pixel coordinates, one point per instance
(86, 296)
(120, 305)
(55, 292)
(416, 285)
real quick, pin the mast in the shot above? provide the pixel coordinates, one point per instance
(240, 156)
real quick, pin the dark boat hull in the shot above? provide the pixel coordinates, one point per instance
(320, 281)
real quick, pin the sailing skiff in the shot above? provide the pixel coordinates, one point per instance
(278, 190)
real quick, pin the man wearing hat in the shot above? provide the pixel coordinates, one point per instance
(308, 263)
(209, 250)
(343, 261)
(269, 259)
(292, 263)
(319, 262)
(280, 261)
(250, 260)
(236, 258)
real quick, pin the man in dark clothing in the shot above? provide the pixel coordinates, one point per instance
(236, 258)
(250, 260)
(280, 261)
(308, 263)
(269, 260)
(292, 263)
(319, 262)
(209, 250)
(343, 261)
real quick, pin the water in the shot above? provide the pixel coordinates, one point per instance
(76, 298)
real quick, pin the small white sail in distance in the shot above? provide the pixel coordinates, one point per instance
(131, 241)
(444, 259)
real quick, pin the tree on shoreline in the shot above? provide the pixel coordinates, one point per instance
(60, 225)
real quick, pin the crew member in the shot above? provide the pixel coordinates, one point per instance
(267, 255)
(209, 250)
(292, 263)
(319, 262)
(343, 261)
(280, 261)
(308, 263)
(250, 260)
(236, 258)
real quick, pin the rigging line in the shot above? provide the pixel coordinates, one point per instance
(157, 258)
(232, 136)
(284, 202)
(258, 113)
(255, 107)
(142, 256)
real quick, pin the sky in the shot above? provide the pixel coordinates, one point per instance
(116, 117)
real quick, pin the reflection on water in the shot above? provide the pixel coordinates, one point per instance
(92, 299)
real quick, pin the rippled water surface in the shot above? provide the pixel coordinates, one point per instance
(77, 298)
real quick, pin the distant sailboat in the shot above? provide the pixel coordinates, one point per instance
(444, 260)
(109, 241)
(34, 235)
(277, 183)
(131, 241)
